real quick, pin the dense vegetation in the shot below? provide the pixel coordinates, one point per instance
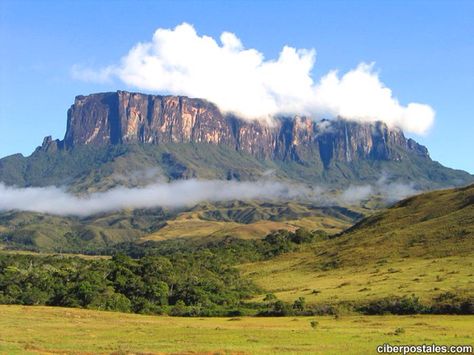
(195, 285)
(229, 250)
(182, 279)
(171, 278)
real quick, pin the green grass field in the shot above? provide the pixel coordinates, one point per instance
(46, 330)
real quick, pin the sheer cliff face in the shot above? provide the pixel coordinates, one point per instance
(123, 117)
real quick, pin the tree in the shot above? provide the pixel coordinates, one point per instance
(299, 304)
(269, 297)
(301, 235)
(179, 309)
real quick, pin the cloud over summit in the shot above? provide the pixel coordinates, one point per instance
(179, 61)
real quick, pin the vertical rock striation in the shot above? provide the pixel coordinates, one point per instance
(122, 117)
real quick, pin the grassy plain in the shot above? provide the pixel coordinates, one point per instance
(47, 330)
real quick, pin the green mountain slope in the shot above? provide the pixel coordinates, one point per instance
(90, 168)
(40, 232)
(435, 224)
(423, 245)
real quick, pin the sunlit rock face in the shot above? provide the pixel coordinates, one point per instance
(123, 117)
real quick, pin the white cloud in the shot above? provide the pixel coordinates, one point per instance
(179, 61)
(184, 193)
(58, 201)
(360, 95)
(389, 191)
(356, 193)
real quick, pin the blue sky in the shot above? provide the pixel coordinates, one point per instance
(423, 50)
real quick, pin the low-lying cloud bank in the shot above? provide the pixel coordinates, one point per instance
(55, 200)
(239, 80)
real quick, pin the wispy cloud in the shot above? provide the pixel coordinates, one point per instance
(183, 193)
(389, 191)
(54, 200)
(240, 80)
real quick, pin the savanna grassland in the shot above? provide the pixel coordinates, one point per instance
(422, 245)
(48, 330)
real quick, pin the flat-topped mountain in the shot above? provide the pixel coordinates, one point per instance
(122, 118)
(186, 137)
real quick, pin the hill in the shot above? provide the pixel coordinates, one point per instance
(423, 245)
(362, 269)
(203, 223)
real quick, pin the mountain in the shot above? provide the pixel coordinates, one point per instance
(110, 134)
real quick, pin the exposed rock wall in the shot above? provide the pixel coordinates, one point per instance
(123, 117)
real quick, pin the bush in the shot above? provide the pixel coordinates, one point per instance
(299, 304)
(451, 303)
(301, 235)
(196, 283)
(399, 331)
(277, 309)
(179, 309)
(393, 305)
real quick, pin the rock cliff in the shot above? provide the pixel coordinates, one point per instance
(123, 117)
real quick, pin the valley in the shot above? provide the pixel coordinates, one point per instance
(346, 224)
(204, 177)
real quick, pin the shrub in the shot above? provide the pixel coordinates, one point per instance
(451, 303)
(179, 309)
(399, 331)
(301, 235)
(299, 304)
(393, 305)
(277, 309)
